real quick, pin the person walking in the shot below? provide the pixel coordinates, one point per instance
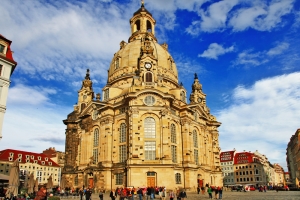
(183, 195)
(113, 194)
(216, 192)
(101, 195)
(172, 195)
(220, 192)
(163, 194)
(209, 191)
(140, 193)
(88, 194)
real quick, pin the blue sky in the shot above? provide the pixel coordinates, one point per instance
(245, 52)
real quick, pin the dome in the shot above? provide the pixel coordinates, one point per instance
(141, 55)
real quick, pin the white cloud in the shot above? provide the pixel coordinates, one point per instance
(215, 50)
(263, 116)
(214, 18)
(278, 49)
(249, 58)
(48, 36)
(261, 16)
(32, 122)
(24, 95)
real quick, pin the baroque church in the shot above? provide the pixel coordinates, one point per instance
(142, 132)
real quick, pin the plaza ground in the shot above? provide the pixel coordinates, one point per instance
(253, 195)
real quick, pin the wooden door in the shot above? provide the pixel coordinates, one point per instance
(91, 182)
(150, 181)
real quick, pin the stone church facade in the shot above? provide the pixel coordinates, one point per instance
(142, 132)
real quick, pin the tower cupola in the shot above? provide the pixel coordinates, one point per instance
(142, 23)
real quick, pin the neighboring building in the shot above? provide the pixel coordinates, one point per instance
(279, 175)
(7, 66)
(227, 166)
(248, 169)
(293, 158)
(143, 130)
(39, 164)
(56, 156)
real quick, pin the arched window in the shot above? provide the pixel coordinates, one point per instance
(82, 106)
(117, 63)
(137, 25)
(122, 132)
(148, 77)
(149, 129)
(178, 178)
(96, 137)
(195, 138)
(182, 96)
(149, 26)
(173, 133)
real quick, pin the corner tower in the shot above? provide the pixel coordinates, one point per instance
(143, 129)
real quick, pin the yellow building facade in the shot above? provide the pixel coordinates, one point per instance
(142, 132)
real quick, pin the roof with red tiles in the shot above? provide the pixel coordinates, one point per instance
(9, 54)
(10, 155)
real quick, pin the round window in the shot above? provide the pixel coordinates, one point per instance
(149, 100)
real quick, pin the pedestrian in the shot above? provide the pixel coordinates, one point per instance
(101, 195)
(113, 194)
(209, 191)
(220, 192)
(183, 195)
(163, 194)
(88, 194)
(81, 193)
(216, 192)
(139, 192)
(198, 189)
(148, 193)
(172, 195)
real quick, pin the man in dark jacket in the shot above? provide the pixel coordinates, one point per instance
(88, 194)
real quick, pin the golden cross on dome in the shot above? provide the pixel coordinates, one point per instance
(142, 1)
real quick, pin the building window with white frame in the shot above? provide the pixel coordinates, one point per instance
(174, 153)
(122, 136)
(119, 179)
(149, 127)
(122, 153)
(173, 133)
(195, 138)
(96, 137)
(178, 178)
(150, 150)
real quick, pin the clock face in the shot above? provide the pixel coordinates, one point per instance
(148, 65)
(84, 96)
(199, 100)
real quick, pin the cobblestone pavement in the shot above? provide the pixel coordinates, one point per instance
(252, 195)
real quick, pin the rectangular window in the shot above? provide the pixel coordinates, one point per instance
(196, 156)
(150, 150)
(95, 156)
(106, 94)
(122, 153)
(2, 47)
(195, 139)
(119, 179)
(174, 153)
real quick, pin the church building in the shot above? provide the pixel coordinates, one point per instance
(143, 131)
